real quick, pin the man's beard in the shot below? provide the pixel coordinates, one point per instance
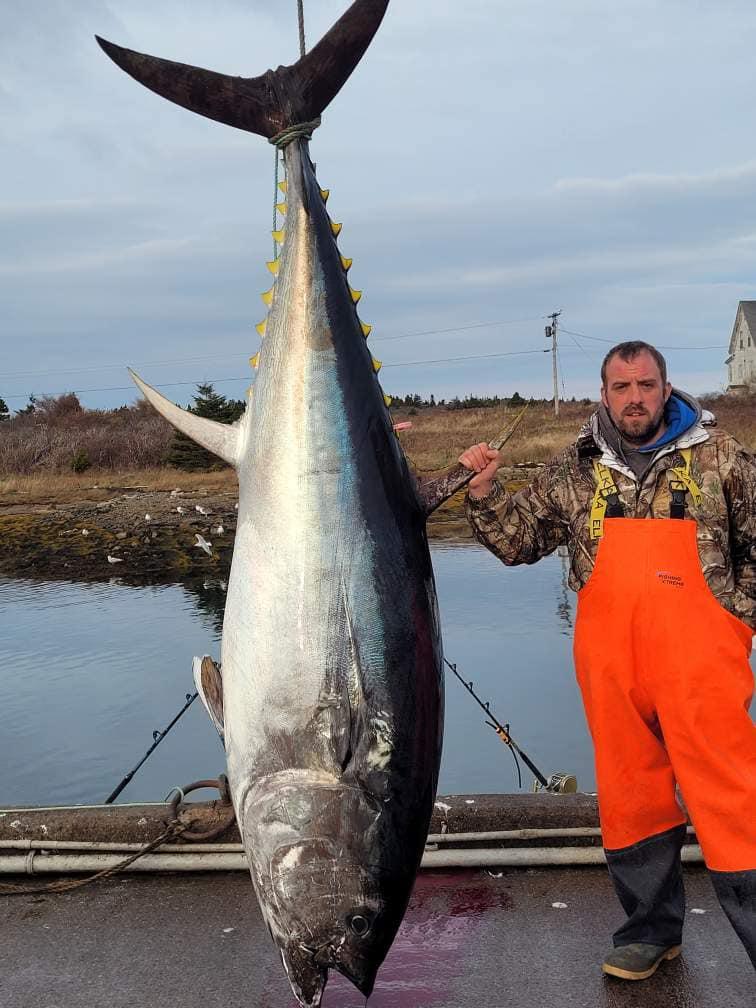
(641, 428)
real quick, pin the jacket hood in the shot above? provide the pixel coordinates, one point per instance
(686, 425)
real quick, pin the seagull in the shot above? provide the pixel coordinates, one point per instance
(112, 559)
(181, 510)
(219, 530)
(202, 544)
(147, 518)
(200, 509)
(236, 506)
(85, 531)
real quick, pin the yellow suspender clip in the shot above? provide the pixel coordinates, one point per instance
(605, 488)
(680, 478)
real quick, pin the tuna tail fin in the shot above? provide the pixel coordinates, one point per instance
(224, 440)
(437, 489)
(278, 98)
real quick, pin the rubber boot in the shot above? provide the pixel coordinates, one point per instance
(736, 892)
(648, 880)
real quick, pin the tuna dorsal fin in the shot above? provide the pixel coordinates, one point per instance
(437, 489)
(207, 678)
(223, 440)
(273, 101)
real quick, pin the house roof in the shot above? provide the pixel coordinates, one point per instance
(749, 313)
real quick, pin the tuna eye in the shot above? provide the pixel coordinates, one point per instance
(360, 925)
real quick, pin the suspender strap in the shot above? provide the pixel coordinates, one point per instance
(680, 483)
(606, 502)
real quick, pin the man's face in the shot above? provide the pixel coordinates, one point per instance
(635, 395)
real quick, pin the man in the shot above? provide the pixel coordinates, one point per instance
(658, 510)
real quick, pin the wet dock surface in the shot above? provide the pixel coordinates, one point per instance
(470, 939)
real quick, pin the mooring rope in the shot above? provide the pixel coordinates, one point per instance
(175, 829)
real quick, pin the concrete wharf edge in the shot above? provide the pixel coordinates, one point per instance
(474, 813)
(471, 937)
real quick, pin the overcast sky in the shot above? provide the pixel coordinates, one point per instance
(491, 161)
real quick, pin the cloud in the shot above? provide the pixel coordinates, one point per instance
(491, 162)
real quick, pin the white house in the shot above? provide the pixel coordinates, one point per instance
(741, 359)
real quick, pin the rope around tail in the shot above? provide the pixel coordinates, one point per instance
(306, 129)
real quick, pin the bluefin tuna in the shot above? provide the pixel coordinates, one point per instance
(330, 695)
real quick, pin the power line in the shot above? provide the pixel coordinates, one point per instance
(215, 356)
(246, 378)
(600, 339)
(452, 360)
(579, 346)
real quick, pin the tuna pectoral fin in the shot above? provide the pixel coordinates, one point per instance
(223, 440)
(277, 99)
(207, 679)
(436, 489)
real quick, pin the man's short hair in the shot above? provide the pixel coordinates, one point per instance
(631, 349)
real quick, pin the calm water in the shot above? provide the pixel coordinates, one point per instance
(87, 672)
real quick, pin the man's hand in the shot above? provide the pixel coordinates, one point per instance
(484, 461)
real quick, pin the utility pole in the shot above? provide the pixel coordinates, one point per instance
(551, 333)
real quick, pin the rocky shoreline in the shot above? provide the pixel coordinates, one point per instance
(142, 535)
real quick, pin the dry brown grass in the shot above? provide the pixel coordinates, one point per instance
(66, 488)
(736, 415)
(438, 436)
(436, 439)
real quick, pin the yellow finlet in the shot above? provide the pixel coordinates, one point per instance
(325, 193)
(281, 207)
(268, 296)
(336, 228)
(356, 295)
(273, 266)
(283, 186)
(278, 236)
(255, 361)
(346, 263)
(387, 399)
(377, 365)
(261, 327)
(366, 329)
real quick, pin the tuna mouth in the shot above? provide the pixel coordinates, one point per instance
(333, 955)
(363, 980)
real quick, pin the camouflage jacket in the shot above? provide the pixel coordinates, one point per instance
(554, 510)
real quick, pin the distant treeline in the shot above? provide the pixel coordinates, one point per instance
(56, 434)
(413, 401)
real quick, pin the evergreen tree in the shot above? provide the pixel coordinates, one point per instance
(31, 407)
(185, 453)
(4, 411)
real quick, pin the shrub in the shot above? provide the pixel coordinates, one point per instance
(80, 462)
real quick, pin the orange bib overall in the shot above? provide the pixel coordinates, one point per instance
(666, 682)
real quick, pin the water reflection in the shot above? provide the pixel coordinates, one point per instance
(89, 671)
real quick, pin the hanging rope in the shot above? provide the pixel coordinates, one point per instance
(275, 200)
(280, 140)
(300, 16)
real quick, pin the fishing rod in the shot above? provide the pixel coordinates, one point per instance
(503, 732)
(157, 737)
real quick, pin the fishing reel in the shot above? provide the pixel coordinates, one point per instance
(558, 783)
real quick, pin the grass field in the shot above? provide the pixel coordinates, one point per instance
(436, 439)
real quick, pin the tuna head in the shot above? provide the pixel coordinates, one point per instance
(331, 885)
